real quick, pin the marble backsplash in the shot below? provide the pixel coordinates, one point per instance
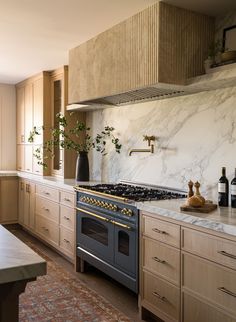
(196, 136)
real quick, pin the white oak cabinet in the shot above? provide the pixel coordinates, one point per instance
(8, 200)
(26, 205)
(49, 213)
(33, 109)
(187, 275)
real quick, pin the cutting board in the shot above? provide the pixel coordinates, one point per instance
(208, 207)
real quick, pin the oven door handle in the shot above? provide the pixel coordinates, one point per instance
(120, 225)
(92, 214)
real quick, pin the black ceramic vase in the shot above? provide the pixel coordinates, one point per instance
(82, 167)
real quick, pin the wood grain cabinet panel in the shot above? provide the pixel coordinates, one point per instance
(67, 241)
(67, 217)
(195, 310)
(211, 281)
(214, 248)
(164, 297)
(20, 115)
(28, 150)
(47, 192)
(20, 155)
(67, 199)
(47, 230)
(161, 230)
(8, 200)
(162, 260)
(47, 209)
(162, 43)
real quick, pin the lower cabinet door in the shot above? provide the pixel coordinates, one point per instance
(67, 245)
(48, 229)
(163, 297)
(196, 311)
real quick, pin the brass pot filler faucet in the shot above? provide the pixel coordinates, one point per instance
(145, 138)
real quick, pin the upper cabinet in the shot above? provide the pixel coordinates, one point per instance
(39, 100)
(33, 109)
(64, 161)
(147, 55)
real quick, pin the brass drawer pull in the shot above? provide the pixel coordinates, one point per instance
(158, 260)
(66, 218)
(159, 231)
(222, 252)
(44, 228)
(46, 209)
(46, 193)
(162, 298)
(224, 290)
(66, 241)
(67, 199)
(93, 215)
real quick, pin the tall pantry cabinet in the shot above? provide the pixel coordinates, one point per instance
(33, 109)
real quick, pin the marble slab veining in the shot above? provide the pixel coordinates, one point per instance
(17, 260)
(222, 220)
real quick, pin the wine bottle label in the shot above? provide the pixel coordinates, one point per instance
(233, 190)
(222, 187)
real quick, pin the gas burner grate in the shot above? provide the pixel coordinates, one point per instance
(135, 193)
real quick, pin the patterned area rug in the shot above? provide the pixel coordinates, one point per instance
(60, 297)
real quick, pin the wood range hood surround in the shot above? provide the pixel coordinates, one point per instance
(146, 57)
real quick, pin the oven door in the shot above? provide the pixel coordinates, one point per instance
(126, 248)
(95, 234)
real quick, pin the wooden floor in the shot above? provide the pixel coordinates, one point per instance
(122, 298)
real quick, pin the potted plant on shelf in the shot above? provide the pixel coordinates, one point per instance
(65, 137)
(214, 54)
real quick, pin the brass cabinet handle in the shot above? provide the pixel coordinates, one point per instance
(222, 252)
(67, 218)
(159, 231)
(22, 138)
(66, 241)
(67, 199)
(21, 186)
(44, 228)
(46, 209)
(120, 225)
(224, 290)
(92, 214)
(46, 193)
(159, 260)
(162, 298)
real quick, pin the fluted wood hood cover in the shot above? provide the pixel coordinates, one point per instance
(148, 56)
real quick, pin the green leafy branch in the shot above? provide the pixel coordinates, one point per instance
(62, 136)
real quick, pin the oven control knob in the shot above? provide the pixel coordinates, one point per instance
(127, 212)
(114, 208)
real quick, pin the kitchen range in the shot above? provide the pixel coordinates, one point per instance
(108, 227)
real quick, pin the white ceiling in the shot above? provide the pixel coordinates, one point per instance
(36, 35)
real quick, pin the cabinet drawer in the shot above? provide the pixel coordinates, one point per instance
(67, 199)
(67, 217)
(48, 230)
(210, 247)
(162, 231)
(67, 241)
(48, 192)
(163, 296)
(212, 281)
(162, 260)
(197, 311)
(47, 208)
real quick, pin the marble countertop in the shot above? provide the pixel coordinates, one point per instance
(17, 260)
(60, 183)
(8, 173)
(221, 220)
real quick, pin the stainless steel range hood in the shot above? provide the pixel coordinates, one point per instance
(147, 57)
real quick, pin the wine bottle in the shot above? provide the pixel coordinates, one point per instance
(223, 190)
(233, 191)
